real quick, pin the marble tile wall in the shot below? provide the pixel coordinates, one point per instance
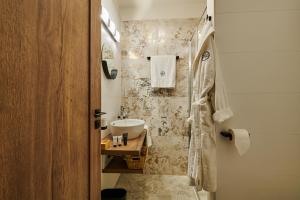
(164, 110)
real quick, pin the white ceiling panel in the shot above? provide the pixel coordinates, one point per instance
(142, 3)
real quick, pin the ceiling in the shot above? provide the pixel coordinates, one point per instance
(159, 9)
(143, 3)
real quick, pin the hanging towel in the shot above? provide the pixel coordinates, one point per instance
(148, 136)
(163, 71)
(207, 108)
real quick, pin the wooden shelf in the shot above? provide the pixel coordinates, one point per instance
(118, 165)
(133, 147)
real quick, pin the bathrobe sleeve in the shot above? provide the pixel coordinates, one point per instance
(222, 108)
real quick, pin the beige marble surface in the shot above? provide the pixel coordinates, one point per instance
(156, 187)
(164, 110)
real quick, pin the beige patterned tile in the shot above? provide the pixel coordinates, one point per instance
(168, 155)
(153, 183)
(133, 87)
(164, 110)
(165, 116)
(156, 187)
(178, 195)
(138, 107)
(174, 143)
(135, 68)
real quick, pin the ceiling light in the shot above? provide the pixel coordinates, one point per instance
(117, 36)
(105, 16)
(112, 27)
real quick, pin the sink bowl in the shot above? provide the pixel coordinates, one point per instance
(134, 127)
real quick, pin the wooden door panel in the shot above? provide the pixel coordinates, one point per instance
(95, 97)
(22, 167)
(44, 99)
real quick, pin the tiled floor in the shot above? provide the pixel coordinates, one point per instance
(203, 195)
(156, 187)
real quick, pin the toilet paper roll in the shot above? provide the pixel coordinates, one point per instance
(241, 140)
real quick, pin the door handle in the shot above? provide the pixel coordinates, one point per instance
(98, 113)
(97, 124)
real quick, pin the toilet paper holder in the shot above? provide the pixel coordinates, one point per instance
(227, 134)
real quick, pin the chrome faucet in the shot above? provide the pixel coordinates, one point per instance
(123, 113)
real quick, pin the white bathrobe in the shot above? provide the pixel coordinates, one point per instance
(209, 105)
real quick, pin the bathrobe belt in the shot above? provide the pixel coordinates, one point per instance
(201, 101)
(197, 103)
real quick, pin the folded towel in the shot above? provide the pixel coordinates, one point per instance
(163, 71)
(148, 137)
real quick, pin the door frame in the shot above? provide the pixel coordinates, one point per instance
(95, 99)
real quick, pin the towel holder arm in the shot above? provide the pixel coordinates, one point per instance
(226, 134)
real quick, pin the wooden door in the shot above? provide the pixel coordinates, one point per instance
(49, 89)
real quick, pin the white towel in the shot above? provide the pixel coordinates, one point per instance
(148, 137)
(163, 71)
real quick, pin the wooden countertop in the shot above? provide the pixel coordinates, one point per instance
(133, 146)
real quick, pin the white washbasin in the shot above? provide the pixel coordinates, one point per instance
(134, 127)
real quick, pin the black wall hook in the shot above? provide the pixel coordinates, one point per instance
(109, 75)
(208, 17)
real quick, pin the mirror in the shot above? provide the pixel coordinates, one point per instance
(108, 61)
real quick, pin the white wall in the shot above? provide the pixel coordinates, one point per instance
(113, 8)
(162, 10)
(259, 41)
(110, 89)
